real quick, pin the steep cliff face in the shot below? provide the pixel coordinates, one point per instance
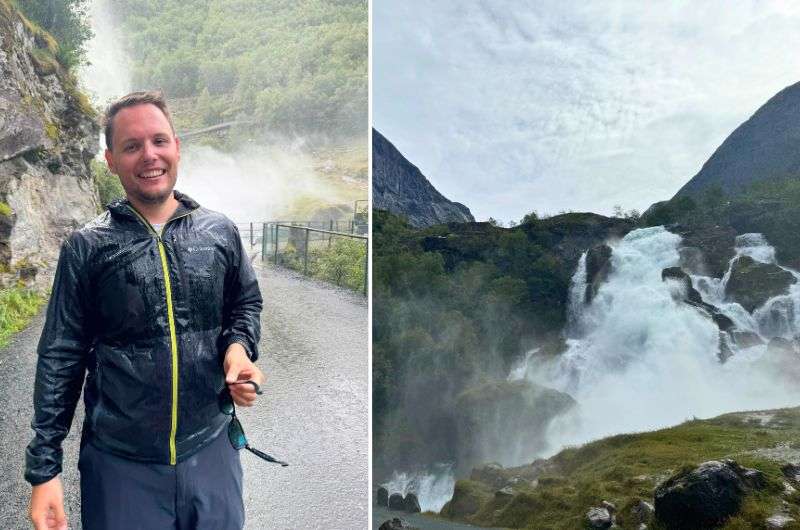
(762, 148)
(400, 187)
(48, 137)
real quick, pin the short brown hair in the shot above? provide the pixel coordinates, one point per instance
(152, 97)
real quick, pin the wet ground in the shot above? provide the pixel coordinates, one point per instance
(313, 414)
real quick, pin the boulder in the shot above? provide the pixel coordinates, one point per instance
(746, 339)
(411, 503)
(717, 244)
(395, 524)
(396, 502)
(792, 472)
(598, 266)
(490, 474)
(642, 511)
(383, 496)
(706, 496)
(599, 518)
(752, 283)
(779, 521)
(468, 497)
(505, 494)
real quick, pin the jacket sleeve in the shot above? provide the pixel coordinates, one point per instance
(243, 303)
(60, 368)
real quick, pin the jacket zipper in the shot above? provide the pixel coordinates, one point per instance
(172, 333)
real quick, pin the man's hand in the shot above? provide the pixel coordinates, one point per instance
(47, 506)
(239, 367)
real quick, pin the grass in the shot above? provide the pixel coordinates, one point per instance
(622, 469)
(18, 305)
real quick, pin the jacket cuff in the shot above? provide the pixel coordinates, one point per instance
(247, 344)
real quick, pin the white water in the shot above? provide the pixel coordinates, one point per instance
(432, 488)
(645, 360)
(108, 75)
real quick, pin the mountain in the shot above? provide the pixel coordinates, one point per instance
(762, 148)
(400, 187)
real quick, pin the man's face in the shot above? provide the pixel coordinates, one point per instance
(144, 154)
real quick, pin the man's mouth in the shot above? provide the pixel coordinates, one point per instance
(153, 173)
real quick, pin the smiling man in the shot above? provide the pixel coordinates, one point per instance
(156, 304)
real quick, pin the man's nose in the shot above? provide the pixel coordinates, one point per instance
(148, 152)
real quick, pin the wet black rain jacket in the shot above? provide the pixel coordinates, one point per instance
(148, 319)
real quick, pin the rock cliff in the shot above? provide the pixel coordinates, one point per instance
(400, 187)
(763, 147)
(48, 136)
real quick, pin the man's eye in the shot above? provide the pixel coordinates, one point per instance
(130, 148)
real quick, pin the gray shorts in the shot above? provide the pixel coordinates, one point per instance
(202, 492)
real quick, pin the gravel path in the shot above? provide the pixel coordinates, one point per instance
(313, 413)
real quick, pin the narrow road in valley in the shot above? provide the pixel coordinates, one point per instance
(314, 413)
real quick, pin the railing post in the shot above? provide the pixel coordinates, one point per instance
(277, 234)
(252, 241)
(366, 267)
(305, 265)
(264, 241)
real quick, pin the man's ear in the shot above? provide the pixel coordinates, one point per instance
(110, 161)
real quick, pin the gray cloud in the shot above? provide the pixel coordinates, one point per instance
(510, 106)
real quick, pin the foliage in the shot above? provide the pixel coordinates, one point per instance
(108, 185)
(297, 67)
(5, 209)
(453, 304)
(624, 468)
(342, 264)
(17, 306)
(771, 207)
(67, 21)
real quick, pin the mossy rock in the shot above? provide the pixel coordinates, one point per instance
(752, 283)
(468, 498)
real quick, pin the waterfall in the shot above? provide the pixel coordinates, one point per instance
(107, 76)
(645, 360)
(577, 297)
(432, 488)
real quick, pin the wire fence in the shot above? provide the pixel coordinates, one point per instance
(333, 251)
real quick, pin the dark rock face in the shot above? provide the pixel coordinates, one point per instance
(752, 283)
(763, 147)
(706, 250)
(395, 524)
(411, 503)
(598, 266)
(396, 502)
(706, 496)
(488, 415)
(383, 496)
(400, 187)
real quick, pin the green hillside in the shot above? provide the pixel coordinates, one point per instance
(625, 468)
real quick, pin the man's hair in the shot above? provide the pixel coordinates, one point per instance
(152, 97)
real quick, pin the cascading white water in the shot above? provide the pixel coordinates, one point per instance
(107, 76)
(645, 359)
(433, 489)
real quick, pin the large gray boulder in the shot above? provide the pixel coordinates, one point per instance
(752, 283)
(599, 518)
(706, 496)
(411, 503)
(383, 496)
(397, 502)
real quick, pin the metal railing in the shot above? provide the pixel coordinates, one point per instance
(338, 257)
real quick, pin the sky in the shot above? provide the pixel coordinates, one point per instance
(513, 106)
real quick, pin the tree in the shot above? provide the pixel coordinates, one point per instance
(67, 21)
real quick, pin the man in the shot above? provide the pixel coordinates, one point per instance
(157, 303)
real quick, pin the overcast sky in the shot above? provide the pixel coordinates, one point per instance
(510, 106)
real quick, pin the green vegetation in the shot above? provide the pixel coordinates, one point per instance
(342, 264)
(66, 20)
(624, 468)
(17, 306)
(455, 305)
(5, 209)
(108, 186)
(771, 207)
(297, 67)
